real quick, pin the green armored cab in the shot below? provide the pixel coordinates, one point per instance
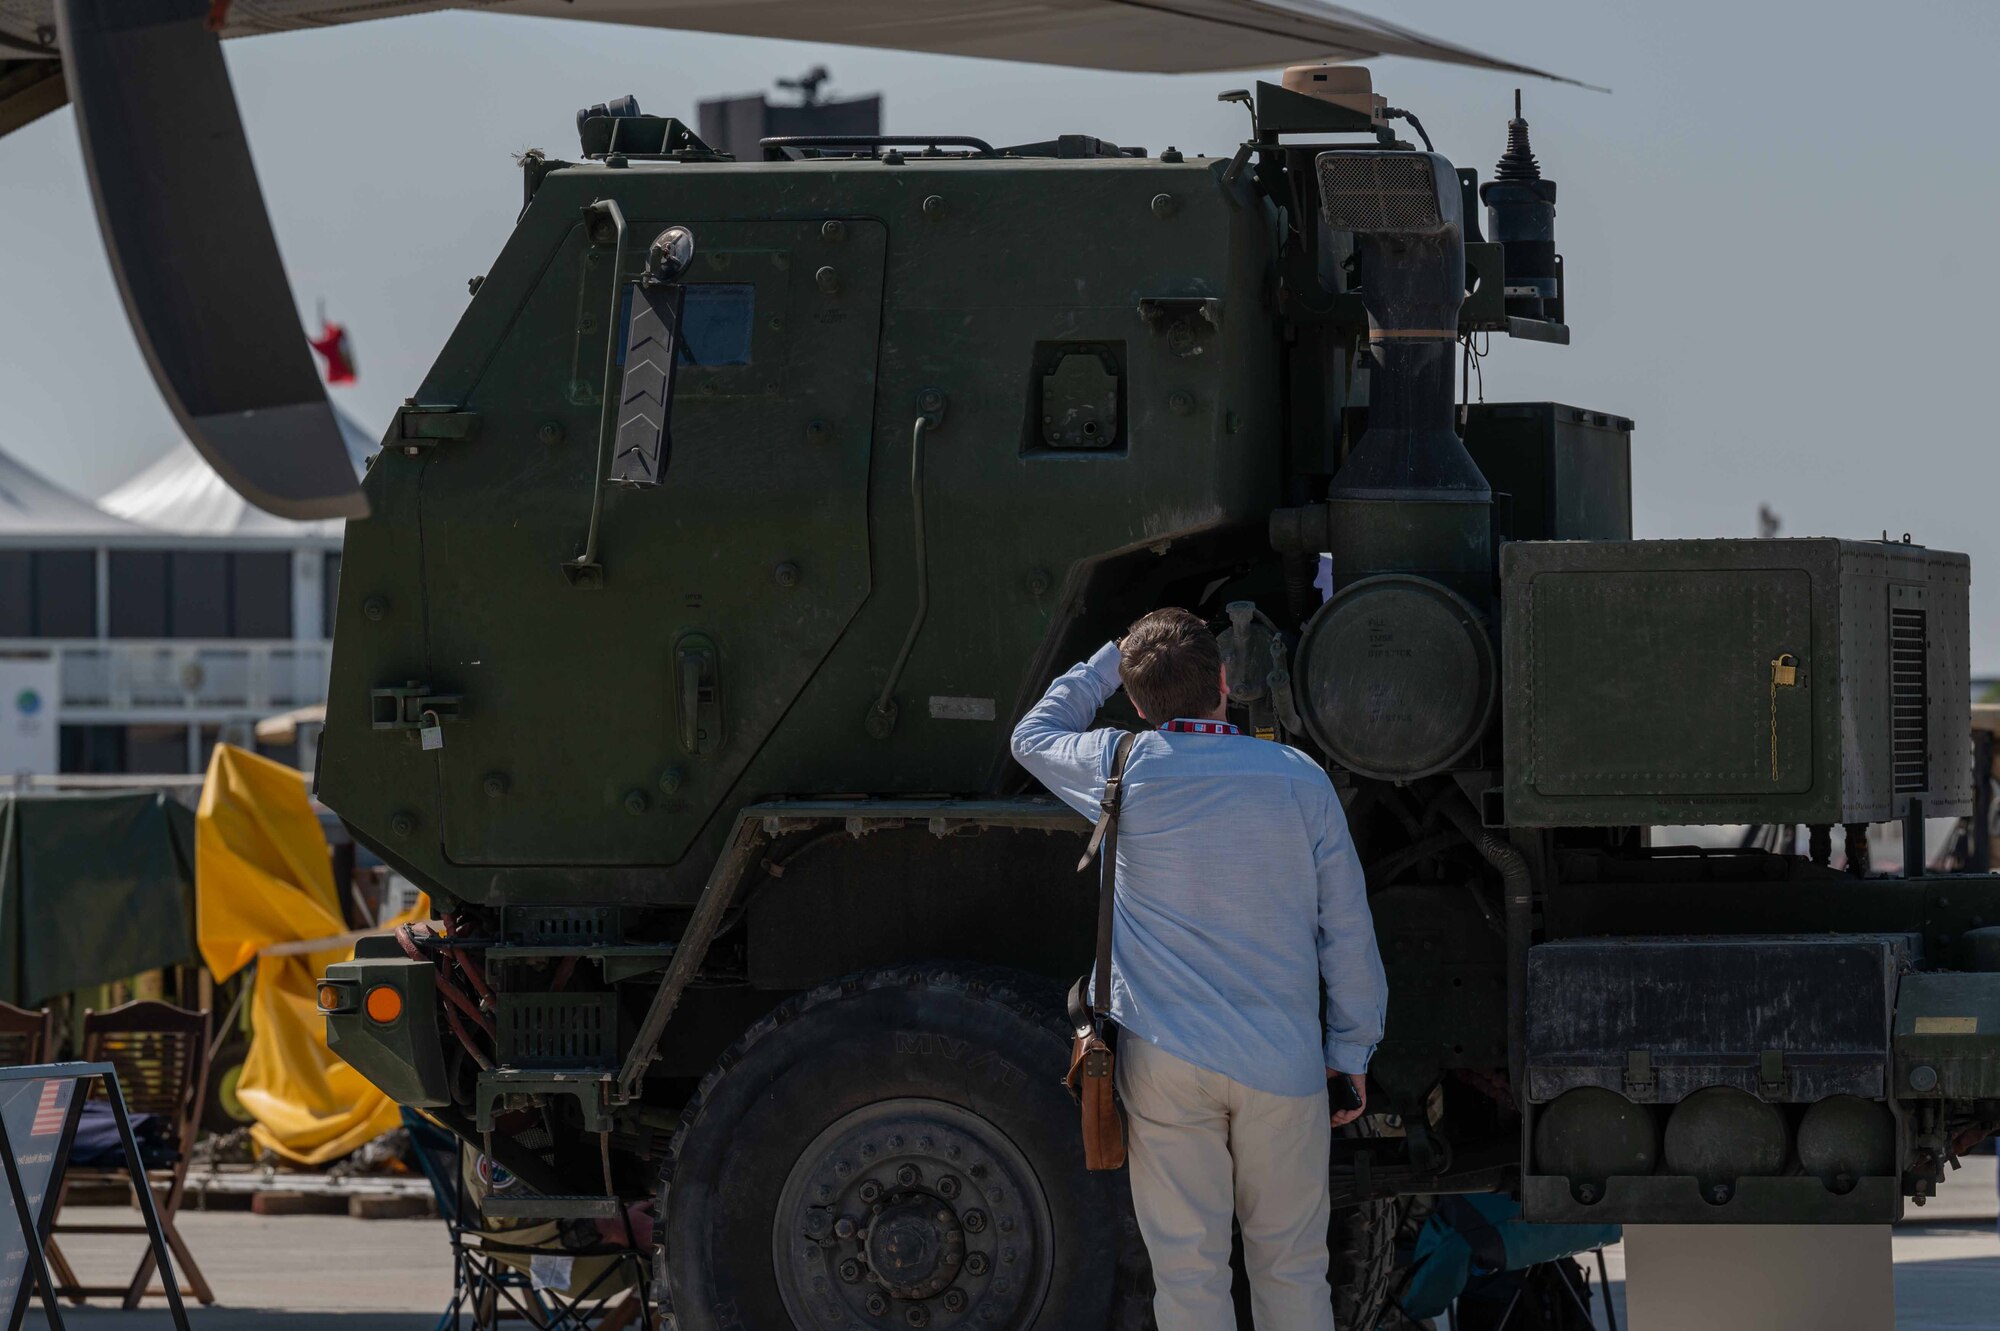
(752, 502)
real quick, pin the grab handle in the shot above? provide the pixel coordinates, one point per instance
(604, 223)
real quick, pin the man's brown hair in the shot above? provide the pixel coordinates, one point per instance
(1171, 666)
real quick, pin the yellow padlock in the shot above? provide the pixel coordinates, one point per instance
(1785, 671)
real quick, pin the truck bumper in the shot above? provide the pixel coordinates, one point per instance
(404, 1056)
(1746, 1079)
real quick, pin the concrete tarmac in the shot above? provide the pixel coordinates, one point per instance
(325, 1273)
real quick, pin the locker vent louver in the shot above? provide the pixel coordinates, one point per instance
(1909, 707)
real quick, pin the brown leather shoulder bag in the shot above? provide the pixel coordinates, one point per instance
(1092, 1060)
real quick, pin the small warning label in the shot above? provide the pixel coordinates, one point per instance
(1947, 1026)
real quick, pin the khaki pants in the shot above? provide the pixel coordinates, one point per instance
(1203, 1147)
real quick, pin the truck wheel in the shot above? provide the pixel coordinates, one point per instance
(895, 1150)
(1361, 1244)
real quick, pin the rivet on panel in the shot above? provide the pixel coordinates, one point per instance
(1165, 205)
(786, 574)
(833, 230)
(670, 781)
(1181, 402)
(403, 823)
(376, 607)
(827, 280)
(635, 801)
(495, 785)
(818, 431)
(1039, 581)
(550, 433)
(934, 206)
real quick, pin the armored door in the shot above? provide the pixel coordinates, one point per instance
(604, 718)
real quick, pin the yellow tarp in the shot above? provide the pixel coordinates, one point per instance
(262, 877)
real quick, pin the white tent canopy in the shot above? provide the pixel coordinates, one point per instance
(31, 506)
(181, 493)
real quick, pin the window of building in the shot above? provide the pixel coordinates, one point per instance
(139, 594)
(156, 750)
(92, 749)
(66, 593)
(48, 593)
(198, 585)
(260, 594)
(17, 594)
(201, 594)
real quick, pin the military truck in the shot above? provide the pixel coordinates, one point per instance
(750, 504)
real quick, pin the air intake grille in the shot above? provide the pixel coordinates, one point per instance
(567, 1031)
(562, 926)
(1379, 192)
(1909, 705)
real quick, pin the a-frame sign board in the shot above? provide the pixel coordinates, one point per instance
(40, 1106)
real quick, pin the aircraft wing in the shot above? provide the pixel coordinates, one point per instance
(1155, 36)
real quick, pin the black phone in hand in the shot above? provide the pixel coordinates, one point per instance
(1345, 1096)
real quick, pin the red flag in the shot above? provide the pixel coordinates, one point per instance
(332, 345)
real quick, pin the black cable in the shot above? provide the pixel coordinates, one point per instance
(1398, 113)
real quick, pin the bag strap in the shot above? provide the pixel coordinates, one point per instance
(1104, 838)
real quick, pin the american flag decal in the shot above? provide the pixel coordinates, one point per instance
(48, 1110)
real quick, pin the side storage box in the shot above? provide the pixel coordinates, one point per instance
(1566, 472)
(1808, 681)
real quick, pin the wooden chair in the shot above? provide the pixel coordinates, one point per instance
(160, 1052)
(26, 1036)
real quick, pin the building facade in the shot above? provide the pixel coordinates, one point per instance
(138, 632)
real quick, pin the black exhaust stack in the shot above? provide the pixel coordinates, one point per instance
(1409, 498)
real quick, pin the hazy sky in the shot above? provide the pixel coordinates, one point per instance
(1776, 228)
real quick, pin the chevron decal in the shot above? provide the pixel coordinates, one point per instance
(646, 395)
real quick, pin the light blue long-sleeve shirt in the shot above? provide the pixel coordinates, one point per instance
(1238, 891)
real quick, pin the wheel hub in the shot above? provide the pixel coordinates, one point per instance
(915, 1246)
(912, 1213)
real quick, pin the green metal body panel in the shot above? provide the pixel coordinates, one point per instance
(565, 777)
(1640, 682)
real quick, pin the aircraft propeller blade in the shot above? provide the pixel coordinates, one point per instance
(193, 253)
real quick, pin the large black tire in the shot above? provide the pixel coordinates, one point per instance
(901, 1137)
(1361, 1246)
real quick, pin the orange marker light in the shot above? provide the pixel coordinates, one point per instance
(329, 998)
(384, 1004)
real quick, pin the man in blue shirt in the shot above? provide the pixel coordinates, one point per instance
(1238, 893)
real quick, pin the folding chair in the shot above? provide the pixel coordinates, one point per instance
(26, 1036)
(160, 1052)
(493, 1269)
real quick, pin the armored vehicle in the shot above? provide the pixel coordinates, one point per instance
(751, 503)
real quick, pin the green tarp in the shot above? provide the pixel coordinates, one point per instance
(93, 888)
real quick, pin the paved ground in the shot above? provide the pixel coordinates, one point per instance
(317, 1273)
(1947, 1259)
(322, 1273)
